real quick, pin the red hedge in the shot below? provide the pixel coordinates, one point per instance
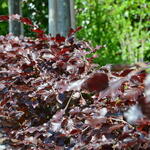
(53, 97)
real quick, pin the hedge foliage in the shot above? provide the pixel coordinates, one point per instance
(53, 97)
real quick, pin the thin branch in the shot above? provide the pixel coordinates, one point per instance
(67, 105)
(123, 121)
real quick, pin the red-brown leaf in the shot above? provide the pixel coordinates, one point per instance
(98, 82)
(38, 31)
(4, 18)
(75, 131)
(26, 21)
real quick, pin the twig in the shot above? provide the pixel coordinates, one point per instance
(120, 120)
(67, 105)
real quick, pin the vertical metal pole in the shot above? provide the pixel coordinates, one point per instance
(59, 17)
(72, 12)
(15, 27)
(52, 17)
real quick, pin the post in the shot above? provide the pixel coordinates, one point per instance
(59, 17)
(72, 12)
(15, 27)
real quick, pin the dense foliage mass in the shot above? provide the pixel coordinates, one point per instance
(53, 97)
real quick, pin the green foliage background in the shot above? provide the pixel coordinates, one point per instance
(123, 26)
(36, 10)
(3, 11)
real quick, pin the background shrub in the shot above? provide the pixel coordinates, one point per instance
(122, 26)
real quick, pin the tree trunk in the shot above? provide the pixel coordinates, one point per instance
(60, 13)
(15, 27)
